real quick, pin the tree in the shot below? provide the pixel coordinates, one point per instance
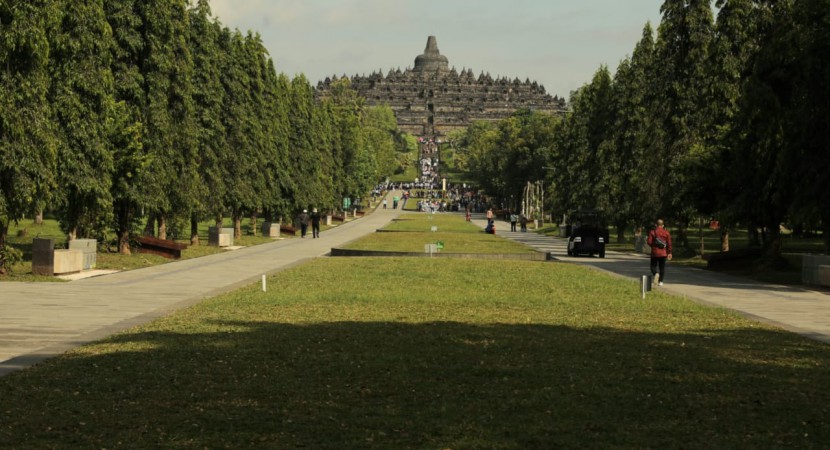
(28, 146)
(208, 107)
(684, 37)
(634, 191)
(126, 129)
(82, 99)
(166, 65)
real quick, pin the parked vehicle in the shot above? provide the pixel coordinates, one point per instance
(588, 234)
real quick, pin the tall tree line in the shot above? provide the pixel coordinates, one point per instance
(119, 113)
(721, 112)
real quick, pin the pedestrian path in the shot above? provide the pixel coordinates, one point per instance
(41, 320)
(797, 309)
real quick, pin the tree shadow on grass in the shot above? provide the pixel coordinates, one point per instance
(430, 385)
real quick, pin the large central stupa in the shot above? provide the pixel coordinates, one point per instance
(432, 99)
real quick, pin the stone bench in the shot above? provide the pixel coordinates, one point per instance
(339, 218)
(731, 259)
(161, 247)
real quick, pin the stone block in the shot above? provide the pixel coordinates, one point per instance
(220, 237)
(68, 261)
(271, 230)
(824, 276)
(328, 220)
(43, 256)
(811, 270)
(89, 248)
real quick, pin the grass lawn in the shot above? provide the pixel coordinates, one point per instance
(412, 231)
(432, 354)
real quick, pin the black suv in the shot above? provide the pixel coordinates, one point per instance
(588, 234)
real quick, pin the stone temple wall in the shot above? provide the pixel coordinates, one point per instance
(432, 100)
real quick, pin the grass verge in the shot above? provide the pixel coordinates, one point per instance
(412, 231)
(419, 353)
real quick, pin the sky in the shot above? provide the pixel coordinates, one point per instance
(558, 43)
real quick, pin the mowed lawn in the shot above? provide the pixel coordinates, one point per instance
(411, 232)
(354, 353)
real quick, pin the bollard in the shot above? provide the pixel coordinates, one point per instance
(645, 285)
(263, 284)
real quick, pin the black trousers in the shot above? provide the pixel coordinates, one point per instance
(661, 263)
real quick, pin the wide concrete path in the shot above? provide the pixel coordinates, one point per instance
(800, 310)
(41, 320)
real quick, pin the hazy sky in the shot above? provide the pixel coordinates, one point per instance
(559, 43)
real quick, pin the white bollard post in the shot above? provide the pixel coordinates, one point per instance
(264, 289)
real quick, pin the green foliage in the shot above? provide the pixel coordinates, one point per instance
(9, 257)
(28, 145)
(82, 97)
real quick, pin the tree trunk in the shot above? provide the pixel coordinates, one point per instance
(237, 224)
(194, 231)
(682, 235)
(71, 235)
(620, 233)
(253, 223)
(150, 226)
(39, 217)
(124, 241)
(4, 229)
(724, 239)
(219, 220)
(162, 219)
(754, 237)
(826, 233)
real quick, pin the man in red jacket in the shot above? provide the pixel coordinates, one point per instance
(659, 239)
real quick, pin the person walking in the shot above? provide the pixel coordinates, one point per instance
(303, 223)
(659, 239)
(523, 221)
(315, 223)
(513, 219)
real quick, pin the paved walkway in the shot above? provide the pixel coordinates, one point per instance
(41, 320)
(800, 310)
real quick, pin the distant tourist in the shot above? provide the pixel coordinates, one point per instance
(395, 201)
(489, 215)
(315, 223)
(491, 227)
(384, 203)
(523, 221)
(303, 219)
(513, 219)
(659, 239)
